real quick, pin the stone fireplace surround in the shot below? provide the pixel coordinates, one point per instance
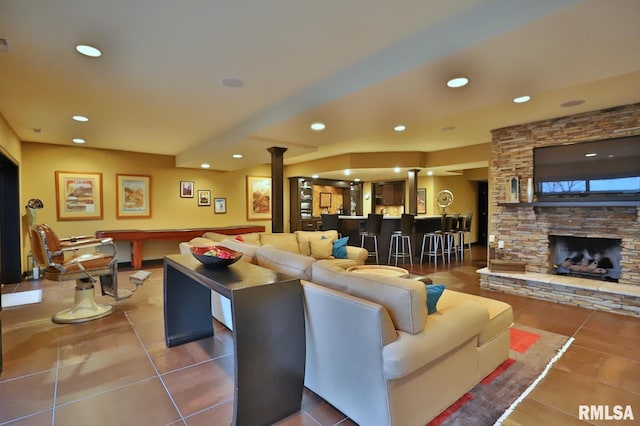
(525, 227)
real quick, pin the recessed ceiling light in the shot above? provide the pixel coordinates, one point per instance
(347, 172)
(521, 99)
(400, 128)
(458, 82)
(87, 50)
(314, 176)
(317, 126)
(231, 82)
(237, 155)
(78, 140)
(429, 173)
(572, 103)
(356, 180)
(396, 169)
(81, 118)
(205, 165)
(590, 154)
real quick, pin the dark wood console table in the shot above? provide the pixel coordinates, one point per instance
(268, 330)
(137, 236)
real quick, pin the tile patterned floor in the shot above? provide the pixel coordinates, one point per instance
(117, 370)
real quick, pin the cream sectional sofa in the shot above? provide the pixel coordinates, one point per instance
(307, 245)
(317, 244)
(374, 353)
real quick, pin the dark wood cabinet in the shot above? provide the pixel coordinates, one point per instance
(389, 194)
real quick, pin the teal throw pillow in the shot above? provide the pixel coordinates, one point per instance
(340, 248)
(434, 291)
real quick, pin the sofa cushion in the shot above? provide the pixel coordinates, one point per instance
(500, 313)
(321, 248)
(405, 299)
(445, 330)
(248, 250)
(251, 238)
(434, 291)
(282, 241)
(304, 238)
(285, 262)
(201, 242)
(340, 248)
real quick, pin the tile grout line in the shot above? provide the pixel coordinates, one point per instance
(153, 365)
(55, 385)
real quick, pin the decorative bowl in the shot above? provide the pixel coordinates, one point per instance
(215, 256)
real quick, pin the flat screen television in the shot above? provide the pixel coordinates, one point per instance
(602, 170)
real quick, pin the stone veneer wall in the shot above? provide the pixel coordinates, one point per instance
(525, 228)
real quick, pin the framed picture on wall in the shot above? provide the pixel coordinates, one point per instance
(133, 196)
(422, 200)
(78, 195)
(186, 189)
(258, 198)
(204, 197)
(325, 200)
(219, 205)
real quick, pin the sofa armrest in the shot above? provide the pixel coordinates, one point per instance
(345, 337)
(359, 254)
(185, 246)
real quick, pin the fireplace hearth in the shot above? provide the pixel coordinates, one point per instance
(584, 257)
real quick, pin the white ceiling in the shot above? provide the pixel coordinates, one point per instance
(360, 66)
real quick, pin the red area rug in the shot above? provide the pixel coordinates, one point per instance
(530, 352)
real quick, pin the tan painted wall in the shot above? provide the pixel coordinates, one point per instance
(40, 161)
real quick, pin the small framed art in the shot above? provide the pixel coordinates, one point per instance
(422, 201)
(219, 205)
(204, 197)
(186, 189)
(325, 200)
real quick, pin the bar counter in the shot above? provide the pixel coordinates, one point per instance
(351, 226)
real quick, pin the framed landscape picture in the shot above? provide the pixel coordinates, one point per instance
(258, 198)
(133, 196)
(78, 195)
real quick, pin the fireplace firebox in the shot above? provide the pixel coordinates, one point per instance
(585, 257)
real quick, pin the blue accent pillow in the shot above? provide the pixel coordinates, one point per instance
(340, 248)
(434, 291)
